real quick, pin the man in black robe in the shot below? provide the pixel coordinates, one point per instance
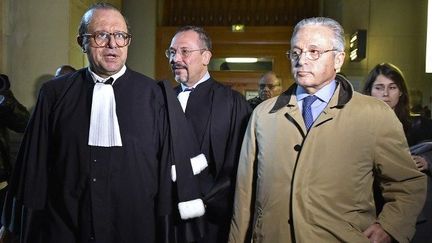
(92, 165)
(208, 134)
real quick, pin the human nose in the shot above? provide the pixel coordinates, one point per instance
(175, 57)
(385, 91)
(112, 42)
(302, 58)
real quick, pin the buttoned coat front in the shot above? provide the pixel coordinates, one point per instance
(316, 186)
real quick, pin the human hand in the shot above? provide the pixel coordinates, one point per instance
(376, 234)
(420, 162)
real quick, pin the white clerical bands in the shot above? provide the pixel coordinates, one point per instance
(104, 128)
(193, 208)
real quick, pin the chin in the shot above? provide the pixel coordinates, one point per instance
(113, 68)
(180, 80)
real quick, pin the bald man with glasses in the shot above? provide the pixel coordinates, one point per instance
(93, 164)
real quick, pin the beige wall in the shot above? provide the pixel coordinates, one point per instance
(396, 33)
(35, 41)
(142, 19)
(38, 36)
(2, 12)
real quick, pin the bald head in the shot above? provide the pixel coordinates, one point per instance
(64, 69)
(269, 86)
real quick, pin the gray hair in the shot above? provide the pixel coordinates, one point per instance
(338, 31)
(202, 35)
(86, 18)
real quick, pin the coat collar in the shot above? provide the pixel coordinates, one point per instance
(345, 95)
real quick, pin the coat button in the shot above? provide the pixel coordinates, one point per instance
(297, 147)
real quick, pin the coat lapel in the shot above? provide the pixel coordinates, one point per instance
(344, 93)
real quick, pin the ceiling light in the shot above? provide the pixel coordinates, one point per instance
(241, 59)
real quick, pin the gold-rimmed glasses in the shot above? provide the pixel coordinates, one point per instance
(102, 38)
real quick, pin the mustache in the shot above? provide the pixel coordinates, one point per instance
(178, 66)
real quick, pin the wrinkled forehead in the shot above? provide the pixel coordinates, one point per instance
(186, 39)
(313, 36)
(269, 79)
(107, 20)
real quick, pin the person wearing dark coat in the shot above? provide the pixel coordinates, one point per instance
(13, 116)
(92, 166)
(207, 121)
(269, 86)
(386, 82)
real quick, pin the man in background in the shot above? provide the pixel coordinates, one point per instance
(269, 86)
(13, 116)
(64, 69)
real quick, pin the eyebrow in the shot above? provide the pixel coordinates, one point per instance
(309, 47)
(384, 84)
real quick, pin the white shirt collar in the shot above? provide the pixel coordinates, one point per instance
(324, 94)
(202, 80)
(97, 78)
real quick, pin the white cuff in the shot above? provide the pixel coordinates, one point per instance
(191, 209)
(198, 163)
(173, 173)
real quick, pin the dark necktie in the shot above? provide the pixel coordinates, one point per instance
(307, 110)
(109, 81)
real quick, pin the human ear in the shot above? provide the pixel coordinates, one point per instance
(206, 55)
(339, 60)
(80, 41)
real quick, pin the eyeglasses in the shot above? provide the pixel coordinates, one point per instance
(312, 55)
(269, 86)
(184, 53)
(102, 39)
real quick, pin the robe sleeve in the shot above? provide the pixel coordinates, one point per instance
(165, 229)
(28, 183)
(226, 145)
(14, 115)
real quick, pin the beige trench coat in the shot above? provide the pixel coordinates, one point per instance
(317, 187)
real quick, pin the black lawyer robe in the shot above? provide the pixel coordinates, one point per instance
(72, 192)
(219, 117)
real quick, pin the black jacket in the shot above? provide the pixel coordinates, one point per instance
(13, 116)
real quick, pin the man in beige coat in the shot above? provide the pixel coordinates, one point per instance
(296, 184)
